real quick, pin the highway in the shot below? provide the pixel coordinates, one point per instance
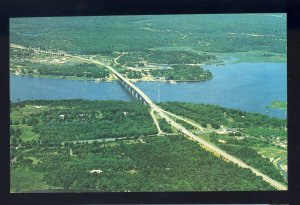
(156, 122)
(183, 130)
(180, 128)
(185, 120)
(283, 172)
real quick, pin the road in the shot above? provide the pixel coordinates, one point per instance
(283, 172)
(108, 139)
(182, 129)
(225, 155)
(156, 122)
(117, 58)
(185, 120)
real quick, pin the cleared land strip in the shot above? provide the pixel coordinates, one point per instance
(111, 139)
(182, 129)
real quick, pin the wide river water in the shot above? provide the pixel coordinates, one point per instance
(245, 86)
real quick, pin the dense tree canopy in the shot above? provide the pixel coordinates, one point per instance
(45, 144)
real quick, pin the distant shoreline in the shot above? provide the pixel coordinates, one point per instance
(97, 80)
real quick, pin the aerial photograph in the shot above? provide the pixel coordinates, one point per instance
(148, 103)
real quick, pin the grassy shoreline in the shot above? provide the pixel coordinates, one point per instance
(104, 80)
(278, 105)
(63, 77)
(254, 57)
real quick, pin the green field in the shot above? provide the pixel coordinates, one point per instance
(25, 180)
(254, 56)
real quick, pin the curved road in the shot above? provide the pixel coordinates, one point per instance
(156, 122)
(283, 172)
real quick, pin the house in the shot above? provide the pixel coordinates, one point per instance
(98, 171)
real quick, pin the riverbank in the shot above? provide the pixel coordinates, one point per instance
(64, 77)
(98, 80)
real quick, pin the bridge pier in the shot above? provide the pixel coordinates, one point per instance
(133, 92)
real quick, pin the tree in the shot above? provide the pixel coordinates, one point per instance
(31, 121)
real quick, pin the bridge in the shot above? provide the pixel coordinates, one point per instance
(139, 94)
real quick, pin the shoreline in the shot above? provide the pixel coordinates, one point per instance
(97, 80)
(253, 56)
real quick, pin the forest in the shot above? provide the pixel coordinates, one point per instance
(247, 132)
(67, 120)
(156, 164)
(183, 73)
(243, 151)
(253, 123)
(28, 63)
(174, 40)
(165, 57)
(77, 35)
(46, 148)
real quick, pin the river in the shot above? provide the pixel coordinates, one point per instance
(245, 86)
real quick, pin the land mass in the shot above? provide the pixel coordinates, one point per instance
(116, 146)
(39, 63)
(278, 105)
(147, 48)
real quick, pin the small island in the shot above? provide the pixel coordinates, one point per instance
(278, 105)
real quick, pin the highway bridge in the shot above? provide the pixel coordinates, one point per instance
(139, 94)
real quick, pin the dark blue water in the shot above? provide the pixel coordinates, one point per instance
(245, 86)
